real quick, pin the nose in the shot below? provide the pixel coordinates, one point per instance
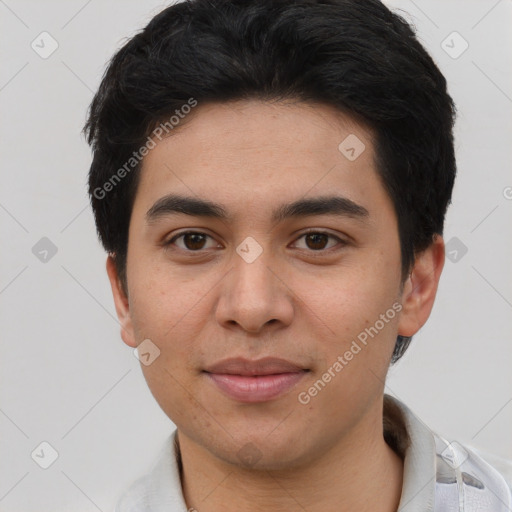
(254, 295)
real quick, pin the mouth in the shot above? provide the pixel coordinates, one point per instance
(255, 381)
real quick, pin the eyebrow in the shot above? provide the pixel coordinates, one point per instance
(324, 205)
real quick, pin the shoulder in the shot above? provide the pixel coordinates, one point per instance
(499, 464)
(461, 474)
(134, 499)
(160, 490)
(481, 482)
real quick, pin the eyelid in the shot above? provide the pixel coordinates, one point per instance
(169, 242)
(341, 241)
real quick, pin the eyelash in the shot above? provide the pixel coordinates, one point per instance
(340, 241)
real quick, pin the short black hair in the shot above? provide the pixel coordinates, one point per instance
(357, 56)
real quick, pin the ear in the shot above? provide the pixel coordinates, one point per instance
(420, 288)
(121, 303)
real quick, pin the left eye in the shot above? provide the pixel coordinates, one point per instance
(195, 240)
(317, 240)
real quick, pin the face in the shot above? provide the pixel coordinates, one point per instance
(317, 286)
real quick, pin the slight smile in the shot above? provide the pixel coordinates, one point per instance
(255, 381)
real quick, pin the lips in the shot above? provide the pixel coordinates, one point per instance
(255, 381)
(265, 366)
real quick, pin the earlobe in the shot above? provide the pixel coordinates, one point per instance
(121, 303)
(420, 288)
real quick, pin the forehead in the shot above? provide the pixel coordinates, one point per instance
(281, 126)
(246, 151)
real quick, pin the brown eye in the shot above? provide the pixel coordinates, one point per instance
(191, 241)
(318, 240)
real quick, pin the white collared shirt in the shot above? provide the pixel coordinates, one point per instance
(438, 476)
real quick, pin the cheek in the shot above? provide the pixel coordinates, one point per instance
(170, 315)
(159, 297)
(357, 311)
(171, 311)
(351, 299)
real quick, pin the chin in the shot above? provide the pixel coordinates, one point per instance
(257, 450)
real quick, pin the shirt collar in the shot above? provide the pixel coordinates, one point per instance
(418, 448)
(431, 482)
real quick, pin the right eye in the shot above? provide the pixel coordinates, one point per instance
(193, 241)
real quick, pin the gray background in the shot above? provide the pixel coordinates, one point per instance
(67, 378)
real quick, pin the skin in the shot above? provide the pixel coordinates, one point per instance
(294, 301)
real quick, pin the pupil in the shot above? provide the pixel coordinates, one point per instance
(317, 240)
(194, 240)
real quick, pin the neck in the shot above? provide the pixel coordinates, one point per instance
(360, 472)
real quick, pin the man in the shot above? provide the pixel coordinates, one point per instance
(270, 180)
